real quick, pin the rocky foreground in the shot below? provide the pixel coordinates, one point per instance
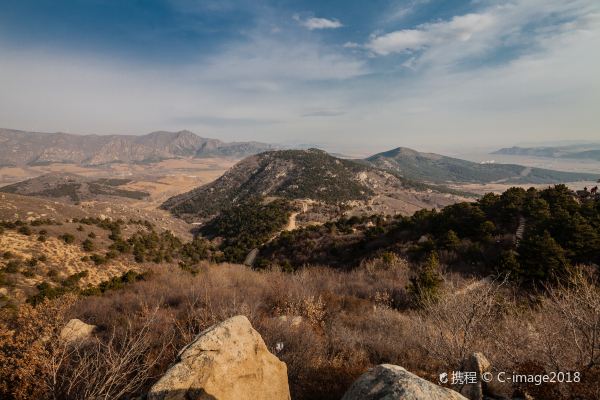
(230, 361)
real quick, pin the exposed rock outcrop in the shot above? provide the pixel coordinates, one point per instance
(391, 382)
(228, 361)
(76, 331)
(480, 364)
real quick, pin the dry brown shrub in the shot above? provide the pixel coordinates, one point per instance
(575, 312)
(462, 322)
(113, 367)
(351, 321)
(29, 342)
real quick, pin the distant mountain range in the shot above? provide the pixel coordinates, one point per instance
(20, 148)
(35, 148)
(302, 174)
(436, 168)
(589, 151)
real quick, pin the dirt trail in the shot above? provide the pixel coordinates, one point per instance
(292, 222)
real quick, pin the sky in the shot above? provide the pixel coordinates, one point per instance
(345, 74)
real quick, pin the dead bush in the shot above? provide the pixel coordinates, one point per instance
(29, 347)
(350, 322)
(462, 322)
(109, 368)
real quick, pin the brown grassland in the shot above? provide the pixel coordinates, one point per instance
(350, 321)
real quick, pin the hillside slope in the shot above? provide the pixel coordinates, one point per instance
(589, 151)
(72, 187)
(311, 175)
(35, 148)
(432, 167)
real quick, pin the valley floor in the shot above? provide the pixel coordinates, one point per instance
(162, 180)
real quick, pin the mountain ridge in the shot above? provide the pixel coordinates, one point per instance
(309, 175)
(432, 167)
(589, 151)
(37, 148)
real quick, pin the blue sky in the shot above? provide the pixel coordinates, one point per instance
(371, 75)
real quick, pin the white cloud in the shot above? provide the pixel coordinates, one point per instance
(236, 94)
(549, 93)
(459, 28)
(399, 41)
(519, 24)
(397, 12)
(273, 60)
(318, 23)
(279, 87)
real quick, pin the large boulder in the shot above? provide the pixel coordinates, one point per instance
(478, 363)
(228, 361)
(76, 331)
(391, 382)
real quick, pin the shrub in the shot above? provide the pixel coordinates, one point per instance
(67, 238)
(28, 273)
(97, 259)
(47, 291)
(73, 280)
(27, 350)
(13, 266)
(425, 287)
(88, 245)
(25, 230)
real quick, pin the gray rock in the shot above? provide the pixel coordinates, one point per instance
(476, 363)
(391, 382)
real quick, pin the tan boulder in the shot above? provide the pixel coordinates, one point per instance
(228, 361)
(76, 330)
(391, 382)
(478, 363)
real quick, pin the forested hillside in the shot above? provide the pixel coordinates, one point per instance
(302, 174)
(559, 230)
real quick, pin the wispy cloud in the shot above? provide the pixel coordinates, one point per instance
(497, 70)
(511, 25)
(397, 12)
(318, 23)
(323, 113)
(265, 59)
(459, 28)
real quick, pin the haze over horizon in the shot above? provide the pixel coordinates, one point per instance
(419, 73)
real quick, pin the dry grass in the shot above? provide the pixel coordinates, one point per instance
(60, 258)
(353, 320)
